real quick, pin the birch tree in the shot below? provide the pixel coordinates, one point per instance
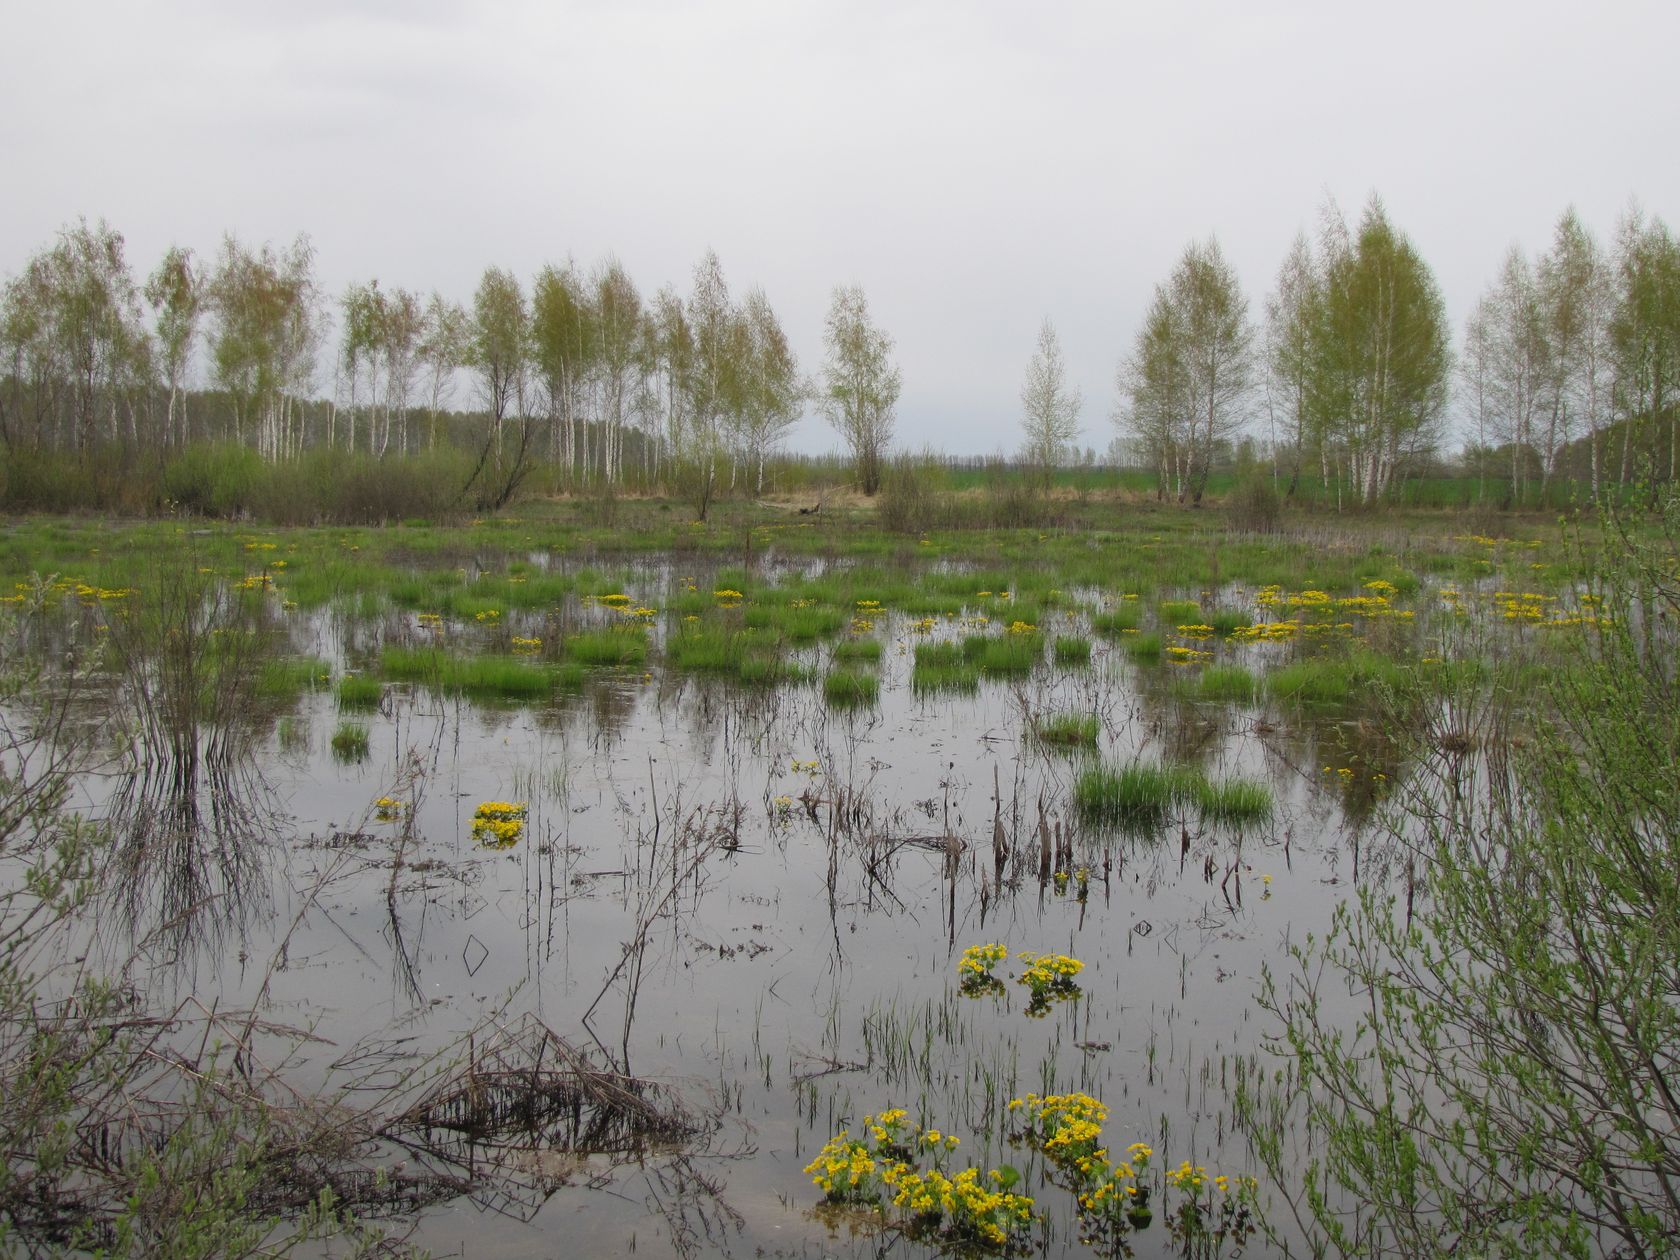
(1290, 311)
(620, 360)
(175, 291)
(1578, 297)
(75, 338)
(443, 352)
(1049, 407)
(1381, 353)
(267, 327)
(860, 384)
(1645, 332)
(563, 340)
(1189, 377)
(500, 353)
(772, 396)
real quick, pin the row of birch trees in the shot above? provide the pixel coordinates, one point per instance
(1351, 372)
(576, 367)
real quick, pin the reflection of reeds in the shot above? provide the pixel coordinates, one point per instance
(188, 845)
(190, 650)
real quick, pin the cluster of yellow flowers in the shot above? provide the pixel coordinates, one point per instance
(877, 1167)
(387, 809)
(1114, 1195)
(1195, 631)
(1022, 627)
(727, 597)
(978, 960)
(1178, 654)
(1050, 978)
(526, 646)
(1265, 632)
(488, 616)
(968, 1208)
(498, 824)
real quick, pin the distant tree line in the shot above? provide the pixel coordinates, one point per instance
(577, 370)
(1351, 372)
(1570, 363)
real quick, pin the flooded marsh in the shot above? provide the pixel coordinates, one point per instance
(761, 892)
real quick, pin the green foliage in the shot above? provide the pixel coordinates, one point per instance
(1113, 622)
(1143, 648)
(1070, 730)
(1135, 797)
(844, 688)
(858, 650)
(941, 667)
(288, 678)
(615, 645)
(1004, 654)
(350, 742)
(358, 691)
(1234, 801)
(1336, 682)
(1501, 1087)
(1071, 650)
(1179, 612)
(1229, 684)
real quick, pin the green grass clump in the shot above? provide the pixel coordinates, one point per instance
(764, 671)
(610, 646)
(496, 678)
(1334, 682)
(1226, 620)
(797, 625)
(350, 742)
(845, 688)
(1235, 801)
(858, 650)
(1070, 730)
(477, 677)
(1005, 653)
(940, 667)
(1228, 684)
(706, 649)
(1180, 612)
(288, 679)
(1117, 620)
(1071, 650)
(1143, 648)
(358, 691)
(406, 664)
(1135, 797)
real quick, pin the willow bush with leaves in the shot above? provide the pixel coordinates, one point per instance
(1505, 1084)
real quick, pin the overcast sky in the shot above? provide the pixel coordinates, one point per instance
(975, 167)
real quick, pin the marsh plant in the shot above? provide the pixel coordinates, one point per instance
(1503, 1085)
